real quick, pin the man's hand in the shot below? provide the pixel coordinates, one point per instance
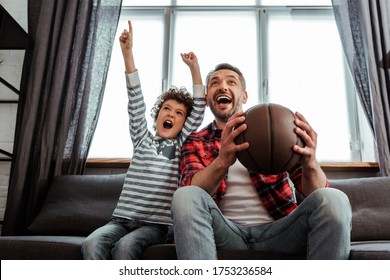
(210, 177)
(309, 136)
(229, 148)
(313, 176)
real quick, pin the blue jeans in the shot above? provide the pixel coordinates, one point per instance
(319, 227)
(122, 239)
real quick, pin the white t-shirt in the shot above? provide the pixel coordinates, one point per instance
(241, 202)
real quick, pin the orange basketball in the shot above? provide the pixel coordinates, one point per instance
(270, 133)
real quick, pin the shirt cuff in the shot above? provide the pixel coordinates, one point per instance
(199, 91)
(132, 78)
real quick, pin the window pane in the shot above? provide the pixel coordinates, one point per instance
(146, 3)
(216, 37)
(306, 74)
(296, 2)
(216, 2)
(112, 138)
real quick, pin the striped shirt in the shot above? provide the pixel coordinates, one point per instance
(153, 174)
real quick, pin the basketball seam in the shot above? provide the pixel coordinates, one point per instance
(272, 138)
(291, 152)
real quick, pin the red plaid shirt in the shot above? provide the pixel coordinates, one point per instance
(275, 192)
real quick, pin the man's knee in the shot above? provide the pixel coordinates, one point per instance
(335, 204)
(337, 198)
(187, 195)
(187, 200)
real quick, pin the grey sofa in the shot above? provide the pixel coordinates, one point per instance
(78, 204)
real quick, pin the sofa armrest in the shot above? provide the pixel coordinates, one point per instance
(370, 201)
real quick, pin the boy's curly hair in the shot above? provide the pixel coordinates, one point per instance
(180, 95)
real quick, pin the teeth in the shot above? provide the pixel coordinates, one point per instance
(223, 99)
(168, 124)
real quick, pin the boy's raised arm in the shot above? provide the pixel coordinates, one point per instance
(126, 43)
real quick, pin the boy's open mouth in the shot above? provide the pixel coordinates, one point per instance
(167, 124)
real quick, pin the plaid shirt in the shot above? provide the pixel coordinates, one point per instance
(275, 192)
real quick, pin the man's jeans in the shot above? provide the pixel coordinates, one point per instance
(320, 227)
(122, 239)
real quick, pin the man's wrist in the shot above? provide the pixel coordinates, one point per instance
(220, 166)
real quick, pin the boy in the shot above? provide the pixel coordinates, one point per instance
(142, 215)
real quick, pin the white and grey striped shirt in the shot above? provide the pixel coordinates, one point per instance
(153, 174)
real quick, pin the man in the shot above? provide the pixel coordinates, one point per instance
(225, 206)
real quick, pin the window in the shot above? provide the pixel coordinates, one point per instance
(306, 73)
(290, 56)
(216, 44)
(112, 138)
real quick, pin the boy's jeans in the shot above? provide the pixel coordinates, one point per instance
(122, 239)
(320, 227)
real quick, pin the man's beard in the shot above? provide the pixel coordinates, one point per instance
(224, 117)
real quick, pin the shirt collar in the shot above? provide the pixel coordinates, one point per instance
(214, 126)
(214, 130)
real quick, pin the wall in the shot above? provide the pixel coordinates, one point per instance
(10, 70)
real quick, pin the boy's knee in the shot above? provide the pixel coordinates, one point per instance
(88, 244)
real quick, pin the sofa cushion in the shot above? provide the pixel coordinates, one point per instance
(41, 247)
(370, 250)
(168, 252)
(370, 200)
(77, 204)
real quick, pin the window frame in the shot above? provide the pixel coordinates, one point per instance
(355, 114)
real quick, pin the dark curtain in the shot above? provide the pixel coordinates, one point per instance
(64, 74)
(364, 28)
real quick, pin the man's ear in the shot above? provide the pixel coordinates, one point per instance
(245, 97)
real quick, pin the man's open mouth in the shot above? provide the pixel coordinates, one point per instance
(167, 124)
(223, 99)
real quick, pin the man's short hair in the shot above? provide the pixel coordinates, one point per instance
(227, 66)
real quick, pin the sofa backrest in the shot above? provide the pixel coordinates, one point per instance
(77, 204)
(370, 201)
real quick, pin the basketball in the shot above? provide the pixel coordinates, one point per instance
(271, 136)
